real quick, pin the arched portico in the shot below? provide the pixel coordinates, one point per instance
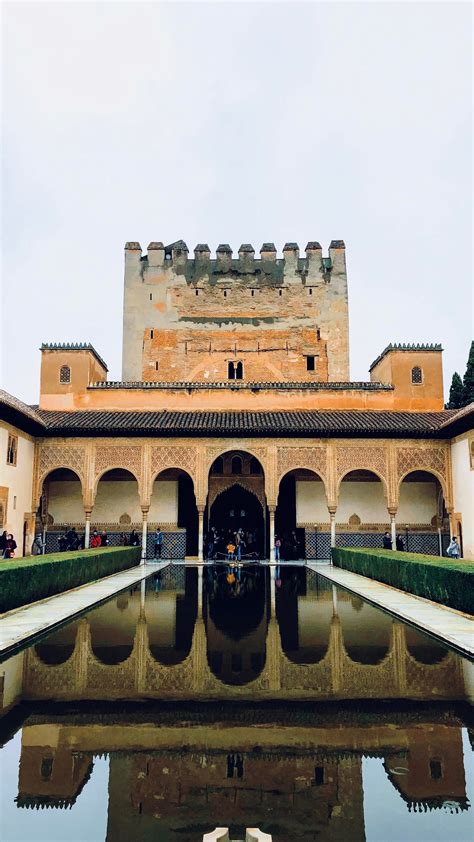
(301, 503)
(422, 516)
(61, 505)
(173, 508)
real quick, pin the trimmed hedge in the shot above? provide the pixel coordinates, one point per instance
(26, 580)
(441, 580)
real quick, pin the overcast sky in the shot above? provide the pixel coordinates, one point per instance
(248, 122)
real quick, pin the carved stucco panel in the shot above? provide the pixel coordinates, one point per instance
(173, 457)
(55, 456)
(289, 458)
(422, 458)
(364, 457)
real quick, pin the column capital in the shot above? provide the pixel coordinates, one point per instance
(87, 514)
(201, 508)
(332, 510)
(272, 509)
(145, 510)
(392, 510)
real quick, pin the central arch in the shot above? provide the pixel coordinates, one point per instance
(236, 503)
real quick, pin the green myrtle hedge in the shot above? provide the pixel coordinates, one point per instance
(439, 579)
(26, 580)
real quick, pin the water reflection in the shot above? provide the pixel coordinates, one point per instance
(240, 696)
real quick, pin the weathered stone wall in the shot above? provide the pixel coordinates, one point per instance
(186, 319)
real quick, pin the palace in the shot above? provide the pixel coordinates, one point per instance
(236, 409)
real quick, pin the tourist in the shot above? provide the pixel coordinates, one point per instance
(158, 542)
(400, 544)
(387, 541)
(104, 539)
(134, 539)
(124, 539)
(277, 548)
(3, 542)
(453, 550)
(62, 543)
(95, 540)
(230, 551)
(37, 546)
(210, 545)
(10, 547)
(72, 539)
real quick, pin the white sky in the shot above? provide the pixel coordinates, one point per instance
(249, 122)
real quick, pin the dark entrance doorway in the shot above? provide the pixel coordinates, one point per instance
(236, 508)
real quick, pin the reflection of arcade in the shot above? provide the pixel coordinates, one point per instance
(280, 772)
(236, 621)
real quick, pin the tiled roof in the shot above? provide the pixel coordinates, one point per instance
(406, 346)
(199, 423)
(73, 346)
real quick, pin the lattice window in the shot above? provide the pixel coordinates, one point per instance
(235, 370)
(12, 450)
(416, 374)
(64, 374)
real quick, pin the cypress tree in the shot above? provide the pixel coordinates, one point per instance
(468, 382)
(456, 393)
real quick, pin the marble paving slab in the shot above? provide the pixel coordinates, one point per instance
(17, 626)
(446, 624)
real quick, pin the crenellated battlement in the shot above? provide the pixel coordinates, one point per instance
(238, 313)
(268, 268)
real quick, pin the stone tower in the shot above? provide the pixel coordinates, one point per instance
(214, 320)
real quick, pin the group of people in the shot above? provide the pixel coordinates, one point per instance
(388, 545)
(230, 544)
(7, 545)
(453, 550)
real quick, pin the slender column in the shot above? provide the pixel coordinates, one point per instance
(393, 527)
(334, 601)
(332, 519)
(450, 511)
(201, 533)
(440, 542)
(144, 532)
(271, 510)
(87, 528)
(200, 592)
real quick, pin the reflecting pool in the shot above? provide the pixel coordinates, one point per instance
(241, 697)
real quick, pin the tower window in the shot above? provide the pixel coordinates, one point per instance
(151, 296)
(46, 768)
(252, 292)
(319, 775)
(151, 333)
(310, 291)
(197, 292)
(416, 374)
(235, 370)
(64, 374)
(310, 366)
(12, 450)
(280, 292)
(156, 365)
(225, 293)
(436, 770)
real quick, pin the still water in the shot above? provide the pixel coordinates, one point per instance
(236, 697)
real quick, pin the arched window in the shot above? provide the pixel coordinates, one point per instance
(65, 374)
(218, 466)
(255, 467)
(236, 465)
(235, 370)
(416, 374)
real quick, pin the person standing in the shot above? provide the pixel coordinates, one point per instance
(104, 540)
(37, 546)
(454, 550)
(158, 542)
(400, 544)
(387, 541)
(10, 547)
(3, 542)
(277, 548)
(95, 540)
(134, 539)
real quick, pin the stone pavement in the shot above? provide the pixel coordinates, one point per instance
(19, 625)
(446, 624)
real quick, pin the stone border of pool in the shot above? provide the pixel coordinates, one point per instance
(446, 624)
(27, 622)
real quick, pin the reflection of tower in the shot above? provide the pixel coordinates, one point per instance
(168, 793)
